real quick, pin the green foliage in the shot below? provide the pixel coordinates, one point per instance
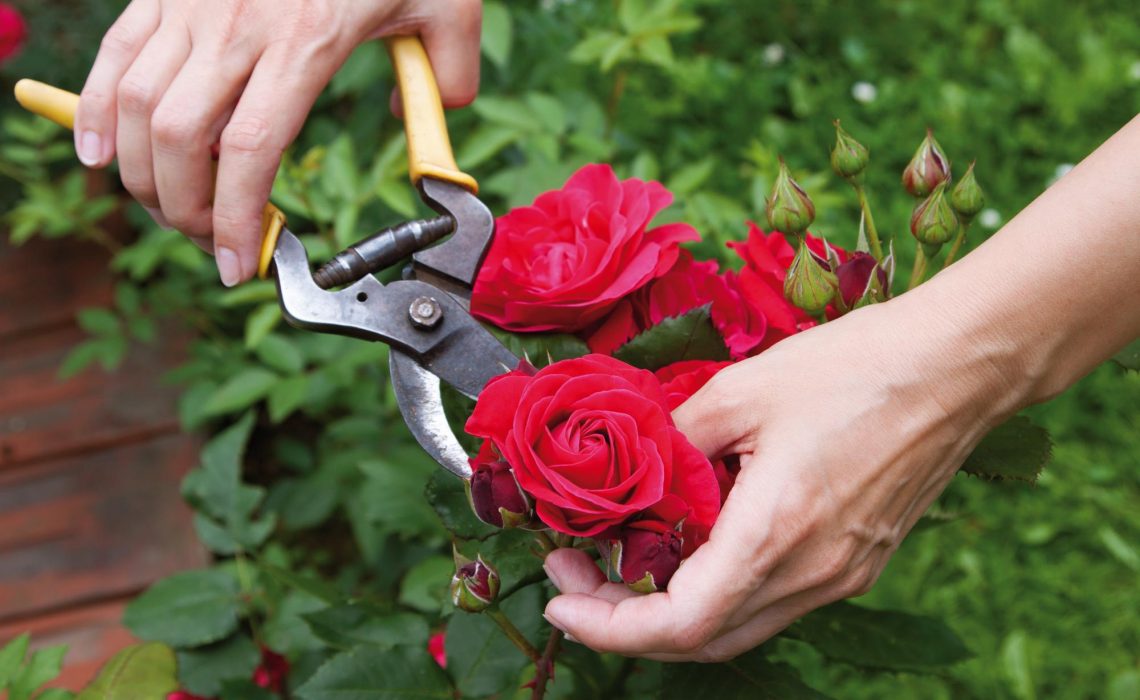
(751, 676)
(690, 336)
(371, 673)
(22, 675)
(139, 671)
(1017, 449)
(187, 609)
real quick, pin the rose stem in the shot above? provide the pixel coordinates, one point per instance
(545, 666)
(872, 232)
(517, 638)
(958, 241)
(545, 543)
(919, 270)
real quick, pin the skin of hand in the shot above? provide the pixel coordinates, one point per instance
(849, 431)
(174, 77)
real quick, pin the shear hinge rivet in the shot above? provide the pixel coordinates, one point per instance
(425, 312)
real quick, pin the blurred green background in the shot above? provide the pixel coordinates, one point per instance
(1042, 582)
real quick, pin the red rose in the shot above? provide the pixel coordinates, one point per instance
(766, 261)
(13, 32)
(592, 443)
(681, 380)
(563, 263)
(687, 285)
(436, 648)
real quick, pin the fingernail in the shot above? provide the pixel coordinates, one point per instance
(555, 623)
(229, 267)
(553, 579)
(90, 148)
(570, 638)
(159, 219)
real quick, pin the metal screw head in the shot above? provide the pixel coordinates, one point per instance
(425, 312)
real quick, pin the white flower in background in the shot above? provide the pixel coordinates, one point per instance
(864, 92)
(990, 218)
(1134, 71)
(1059, 172)
(773, 54)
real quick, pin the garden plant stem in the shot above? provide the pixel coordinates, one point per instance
(513, 633)
(958, 241)
(544, 667)
(919, 270)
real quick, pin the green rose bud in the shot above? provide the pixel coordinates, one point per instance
(967, 197)
(474, 586)
(848, 157)
(789, 208)
(927, 168)
(810, 283)
(934, 221)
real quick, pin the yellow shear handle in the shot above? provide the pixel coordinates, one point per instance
(60, 106)
(429, 148)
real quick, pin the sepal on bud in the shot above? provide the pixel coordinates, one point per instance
(848, 156)
(810, 284)
(934, 221)
(645, 555)
(927, 168)
(494, 494)
(790, 210)
(863, 281)
(475, 584)
(967, 197)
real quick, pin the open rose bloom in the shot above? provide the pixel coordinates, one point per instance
(586, 447)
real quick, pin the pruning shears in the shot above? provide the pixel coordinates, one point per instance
(424, 317)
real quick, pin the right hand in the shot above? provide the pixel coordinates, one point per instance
(174, 77)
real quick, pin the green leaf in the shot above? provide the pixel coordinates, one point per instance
(260, 322)
(1129, 357)
(202, 670)
(541, 348)
(287, 396)
(1017, 449)
(280, 353)
(187, 609)
(479, 656)
(880, 639)
(98, 321)
(484, 143)
(240, 391)
(245, 689)
(748, 677)
(690, 336)
(139, 671)
(12, 657)
(511, 552)
(313, 586)
(386, 498)
(371, 673)
(346, 626)
(446, 495)
(498, 31)
(42, 666)
(425, 587)
(80, 358)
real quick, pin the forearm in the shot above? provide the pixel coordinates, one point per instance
(1056, 291)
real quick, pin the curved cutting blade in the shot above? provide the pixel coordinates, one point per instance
(419, 399)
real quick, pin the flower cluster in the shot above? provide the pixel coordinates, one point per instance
(13, 32)
(587, 446)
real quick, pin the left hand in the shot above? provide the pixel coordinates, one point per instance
(846, 433)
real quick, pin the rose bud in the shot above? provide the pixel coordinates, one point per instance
(810, 283)
(474, 586)
(495, 495)
(789, 208)
(862, 281)
(927, 168)
(967, 197)
(646, 555)
(848, 157)
(934, 221)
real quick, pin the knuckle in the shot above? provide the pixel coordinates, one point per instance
(142, 189)
(92, 98)
(119, 39)
(136, 95)
(248, 135)
(691, 636)
(174, 129)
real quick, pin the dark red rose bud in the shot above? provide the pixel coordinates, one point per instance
(646, 555)
(474, 586)
(496, 496)
(927, 168)
(862, 281)
(272, 671)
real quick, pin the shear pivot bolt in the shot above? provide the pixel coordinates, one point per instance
(425, 312)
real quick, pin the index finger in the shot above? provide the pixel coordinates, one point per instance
(704, 592)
